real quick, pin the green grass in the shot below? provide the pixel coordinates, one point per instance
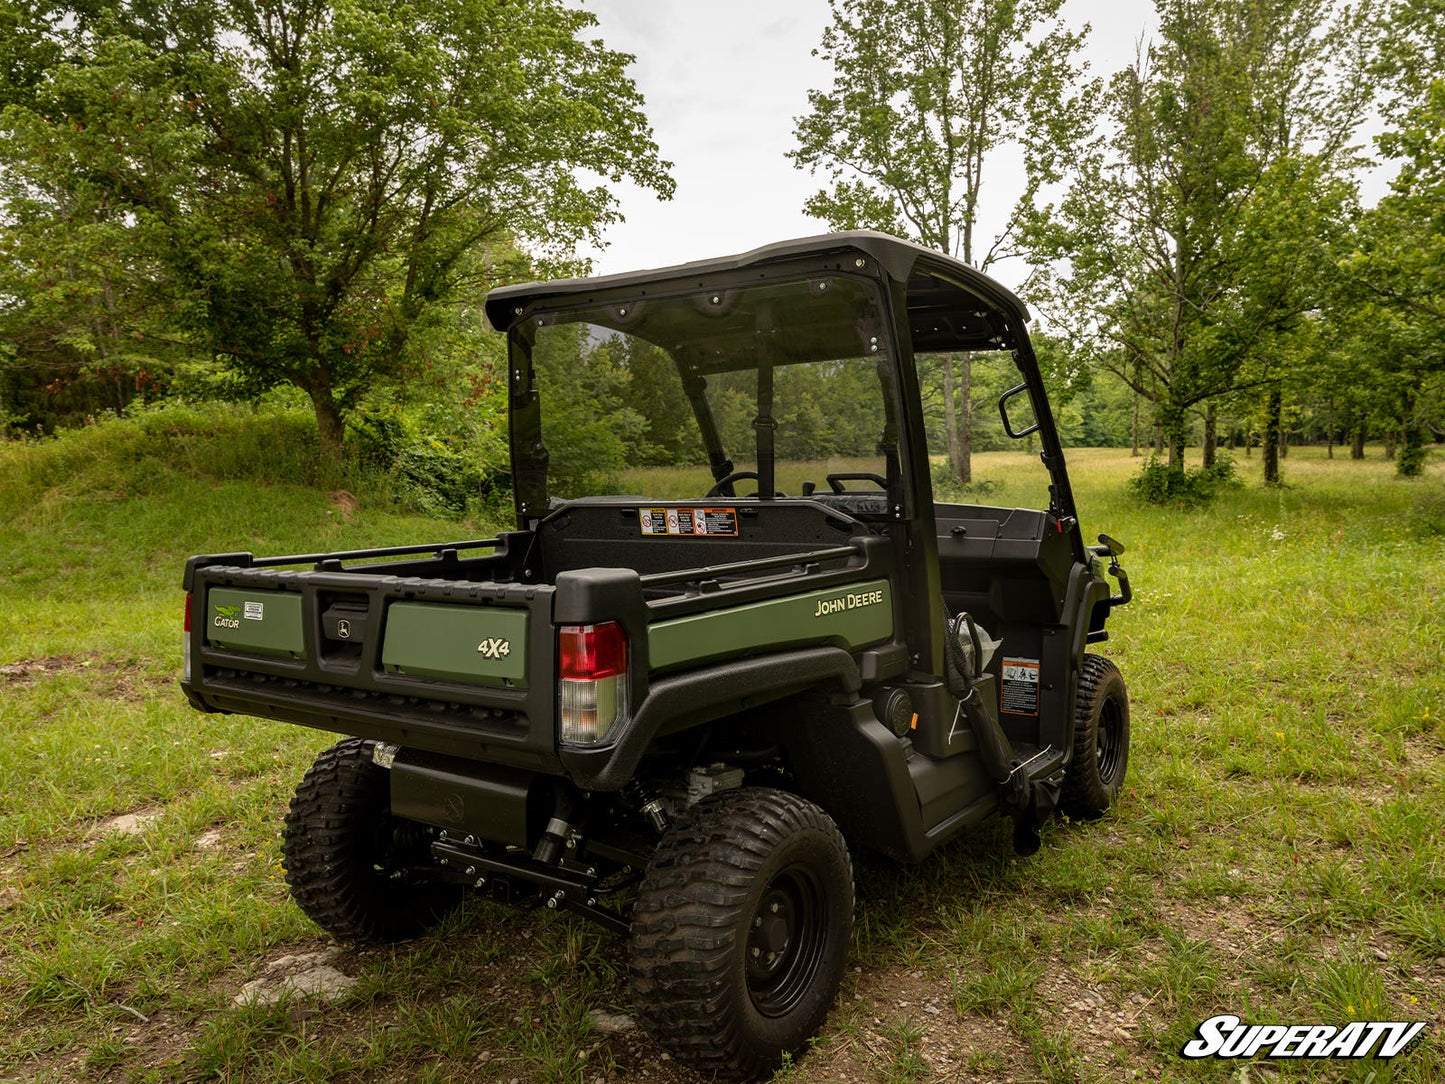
(1279, 852)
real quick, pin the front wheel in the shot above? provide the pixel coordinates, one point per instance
(741, 930)
(1101, 741)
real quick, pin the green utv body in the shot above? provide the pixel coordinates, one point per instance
(667, 711)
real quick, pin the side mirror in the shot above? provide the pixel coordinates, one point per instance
(1112, 545)
(1029, 422)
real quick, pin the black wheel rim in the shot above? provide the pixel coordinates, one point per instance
(1110, 740)
(785, 941)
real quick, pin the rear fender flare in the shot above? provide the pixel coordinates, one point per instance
(680, 701)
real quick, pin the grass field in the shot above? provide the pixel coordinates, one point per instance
(1279, 853)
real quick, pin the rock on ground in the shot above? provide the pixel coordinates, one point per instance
(305, 974)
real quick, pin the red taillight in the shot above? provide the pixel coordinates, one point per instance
(591, 682)
(188, 612)
(591, 652)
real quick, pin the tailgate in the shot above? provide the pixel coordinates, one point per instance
(436, 664)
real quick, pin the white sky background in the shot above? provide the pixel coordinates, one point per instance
(723, 83)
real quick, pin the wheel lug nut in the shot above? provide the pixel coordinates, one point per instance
(774, 908)
(757, 920)
(772, 956)
(757, 952)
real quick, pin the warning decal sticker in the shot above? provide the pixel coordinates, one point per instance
(689, 522)
(1019, 691)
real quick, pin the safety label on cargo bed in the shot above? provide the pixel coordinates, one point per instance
(1019, 692)
(689, 522)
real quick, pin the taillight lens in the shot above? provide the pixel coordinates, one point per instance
(591, 681)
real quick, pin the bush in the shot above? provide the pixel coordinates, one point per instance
(437, 480)
(948, 487)
(1156, 483)
(427, 473)
(1411, 460)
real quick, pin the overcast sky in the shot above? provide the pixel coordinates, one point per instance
(723, 83)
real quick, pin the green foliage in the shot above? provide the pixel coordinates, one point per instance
(925, 96)
(947, 487)
(1410, 460)
(589, 429)
(1158, 483)
(148, 450)
(297, 189)
(1203, 221)
(1395, 286)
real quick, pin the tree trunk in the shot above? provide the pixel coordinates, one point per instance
(1330, 432)
(329, 424)
(1357, 444)
(1134, 428)
(1211, 434)
(964, 468)
(950, 418)
(1269, 447)
(1391, 439)
(1171, 424)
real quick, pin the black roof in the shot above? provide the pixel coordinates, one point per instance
(896, 256)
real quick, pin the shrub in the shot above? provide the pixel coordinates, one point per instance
(948, 487)
(1156, 483)
(437, 480)
(1411, 460)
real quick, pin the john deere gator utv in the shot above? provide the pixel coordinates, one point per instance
(671, 711)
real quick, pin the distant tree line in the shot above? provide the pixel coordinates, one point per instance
(214, 200)
(1193, 223)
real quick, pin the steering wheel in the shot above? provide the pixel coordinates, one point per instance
(727, 480)
(835, 481)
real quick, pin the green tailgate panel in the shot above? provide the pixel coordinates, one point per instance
(258, 622)
(481, 645)
(850, 617)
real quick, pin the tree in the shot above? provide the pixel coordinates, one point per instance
(926, 94)
(1397, 278)
(1201, 222)
(310, 178)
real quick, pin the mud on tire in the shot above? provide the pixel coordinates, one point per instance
(349, 862)
(1101, 741)
(741, 931)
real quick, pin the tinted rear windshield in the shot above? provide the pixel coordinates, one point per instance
(660, 397)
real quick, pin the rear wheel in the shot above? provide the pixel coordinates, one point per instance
(741, 931)
(1101, 741)
(352, 866)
